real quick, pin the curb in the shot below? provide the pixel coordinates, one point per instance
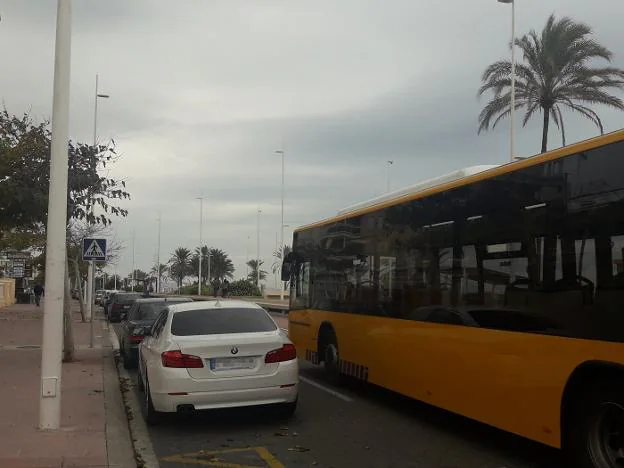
(143, 450)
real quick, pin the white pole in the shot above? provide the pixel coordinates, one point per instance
(282, 229)
(115, 277)
(247, 261)
(258, 250)
(133, 275)
(201, 221)
(52, 345)
(158, 254)
(513, 82)
(276, 252)
(91, 266)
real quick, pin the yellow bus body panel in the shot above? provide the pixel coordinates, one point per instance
(513, 381)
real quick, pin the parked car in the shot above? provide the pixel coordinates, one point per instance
(120, 304)
(107, 301)
(140, 319)
(216, 354)
(99, 295)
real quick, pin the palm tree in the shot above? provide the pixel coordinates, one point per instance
(159, 273)
(180, 265)
(556, 74)
(221, 266)
(277, 263)
(253, 273)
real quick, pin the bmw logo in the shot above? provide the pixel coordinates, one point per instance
(234, 350)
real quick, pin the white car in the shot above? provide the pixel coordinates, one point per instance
(216, 354)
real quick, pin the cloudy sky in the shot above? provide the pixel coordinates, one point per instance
(204, 91)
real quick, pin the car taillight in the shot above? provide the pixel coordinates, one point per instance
(179, 360)
(288, 352)
(136, 339)
(116, 306)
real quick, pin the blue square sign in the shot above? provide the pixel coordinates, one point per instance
(93, 249)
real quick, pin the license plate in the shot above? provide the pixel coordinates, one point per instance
(218, 364)
(125, 307)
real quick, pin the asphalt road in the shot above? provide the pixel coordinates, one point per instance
(355, 425)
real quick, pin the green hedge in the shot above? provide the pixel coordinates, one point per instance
(242, 287)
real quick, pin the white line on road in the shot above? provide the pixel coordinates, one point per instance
(326, 389)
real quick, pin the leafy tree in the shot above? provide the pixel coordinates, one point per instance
(253, 271)
(179, 265)
(243, 287)
(111, 283)
(557, 74)
(25, 176)
(24, 184)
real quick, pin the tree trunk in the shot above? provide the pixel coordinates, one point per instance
(68, 330)
(83, 315)
(545, 129)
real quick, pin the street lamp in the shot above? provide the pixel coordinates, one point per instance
(158, 254)
(282, 224)
(201, 225)
(52, 343)
(512, 105)
(258, 249)
(92, 263)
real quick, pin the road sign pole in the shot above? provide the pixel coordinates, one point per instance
(92, 250)
(90, 290)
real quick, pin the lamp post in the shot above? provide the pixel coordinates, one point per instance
(282, 223)
(52, 343)
(512, 105)
(201, 225)
(258, 250)
(158, 255)
(91, 266)
(133, 270)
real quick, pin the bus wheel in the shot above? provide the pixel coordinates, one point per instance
(596, 432)
(331, 357)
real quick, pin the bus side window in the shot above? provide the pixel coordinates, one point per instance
(301, 286)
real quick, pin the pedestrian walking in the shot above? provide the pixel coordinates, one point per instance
(39, 291)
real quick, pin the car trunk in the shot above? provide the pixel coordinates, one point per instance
(230, 355)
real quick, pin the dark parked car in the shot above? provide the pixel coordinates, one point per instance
(107, 302)
(120, 305)
(140, 317)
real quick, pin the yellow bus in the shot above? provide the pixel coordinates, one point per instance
(495, 293)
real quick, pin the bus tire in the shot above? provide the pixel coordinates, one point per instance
(331, 356)
(593, 433)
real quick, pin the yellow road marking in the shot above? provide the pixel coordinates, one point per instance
(192, 458)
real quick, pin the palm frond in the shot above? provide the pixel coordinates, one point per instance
(558, 71)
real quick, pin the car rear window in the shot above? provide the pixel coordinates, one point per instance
(221, 321)
(151, 310)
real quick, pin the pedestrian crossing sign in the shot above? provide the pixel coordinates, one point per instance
(93, 249)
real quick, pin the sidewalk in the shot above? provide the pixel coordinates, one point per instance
(81, 441)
